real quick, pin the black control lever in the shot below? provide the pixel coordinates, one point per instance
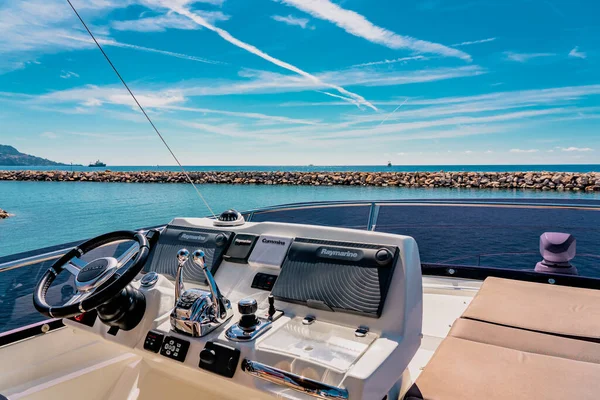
(272, 309)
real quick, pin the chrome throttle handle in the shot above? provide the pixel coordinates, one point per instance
(182, 256)
(218, 301)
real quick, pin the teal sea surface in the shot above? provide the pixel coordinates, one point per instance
(50, 213)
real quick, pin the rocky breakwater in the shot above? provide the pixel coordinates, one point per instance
(558, 181)
(4, 214)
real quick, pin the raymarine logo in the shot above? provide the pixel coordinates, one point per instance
(271, 241)
(339, 253)
(196, 238)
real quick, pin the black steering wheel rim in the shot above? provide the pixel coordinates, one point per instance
(115, 283)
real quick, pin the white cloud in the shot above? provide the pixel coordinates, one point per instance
(337, 96)
(49, 135)
(114, 43)
(252, 49)
(91, 95)
(434, 107)
(389, 78)
(576, 53)
(34, 28)
(92, 102)
(474, 42)
(291, 20)
(271, 82)
(250, 115)
(524, 57)
(170, 20)
(576, 149)
(111, 137)
(68, 74)
(358, 25)
(521, 97)
(524, 151)
(255, 82)
(396, 60)
(459, 121)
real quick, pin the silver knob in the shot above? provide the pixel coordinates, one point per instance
(182, 256)
(198, 258)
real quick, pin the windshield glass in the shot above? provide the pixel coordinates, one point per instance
(266, 103)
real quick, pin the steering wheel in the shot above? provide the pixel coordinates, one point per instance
(96, 281)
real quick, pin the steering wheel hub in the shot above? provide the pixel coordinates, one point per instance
(95, 273)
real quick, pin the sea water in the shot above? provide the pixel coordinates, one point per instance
(50, 213)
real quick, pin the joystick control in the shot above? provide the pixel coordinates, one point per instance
(250, 326)
(248, 308)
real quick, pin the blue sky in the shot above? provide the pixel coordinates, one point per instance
(304, 81)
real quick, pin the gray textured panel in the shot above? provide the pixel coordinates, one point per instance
(355, 286)
(172, 239)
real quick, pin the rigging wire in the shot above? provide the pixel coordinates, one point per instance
(141, 108)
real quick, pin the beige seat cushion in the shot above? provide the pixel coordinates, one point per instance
(467, 370)
(519, 340)
(528, 341)
(539, 307)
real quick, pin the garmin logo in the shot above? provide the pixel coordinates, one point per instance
(271, 241)
(196, 238)
(339, 254)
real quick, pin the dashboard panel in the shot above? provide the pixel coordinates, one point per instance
(348, 302)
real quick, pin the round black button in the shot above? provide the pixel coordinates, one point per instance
(220, 240)
(208, 356)
(383, 256)
(247, 306)
(93, 270)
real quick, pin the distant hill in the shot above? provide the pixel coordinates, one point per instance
(11, 156)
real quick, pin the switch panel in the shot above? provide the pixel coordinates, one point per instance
(219, 358)
(154, 341)
(263, 281)
(175, 348)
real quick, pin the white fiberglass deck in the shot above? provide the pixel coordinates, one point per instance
(67, 362)
(444, 300)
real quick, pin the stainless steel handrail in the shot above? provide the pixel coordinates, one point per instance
(296, 382)
(23, 262)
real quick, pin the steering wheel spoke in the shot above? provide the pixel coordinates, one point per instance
(74, 265)
(79, 297)
(128, 255)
